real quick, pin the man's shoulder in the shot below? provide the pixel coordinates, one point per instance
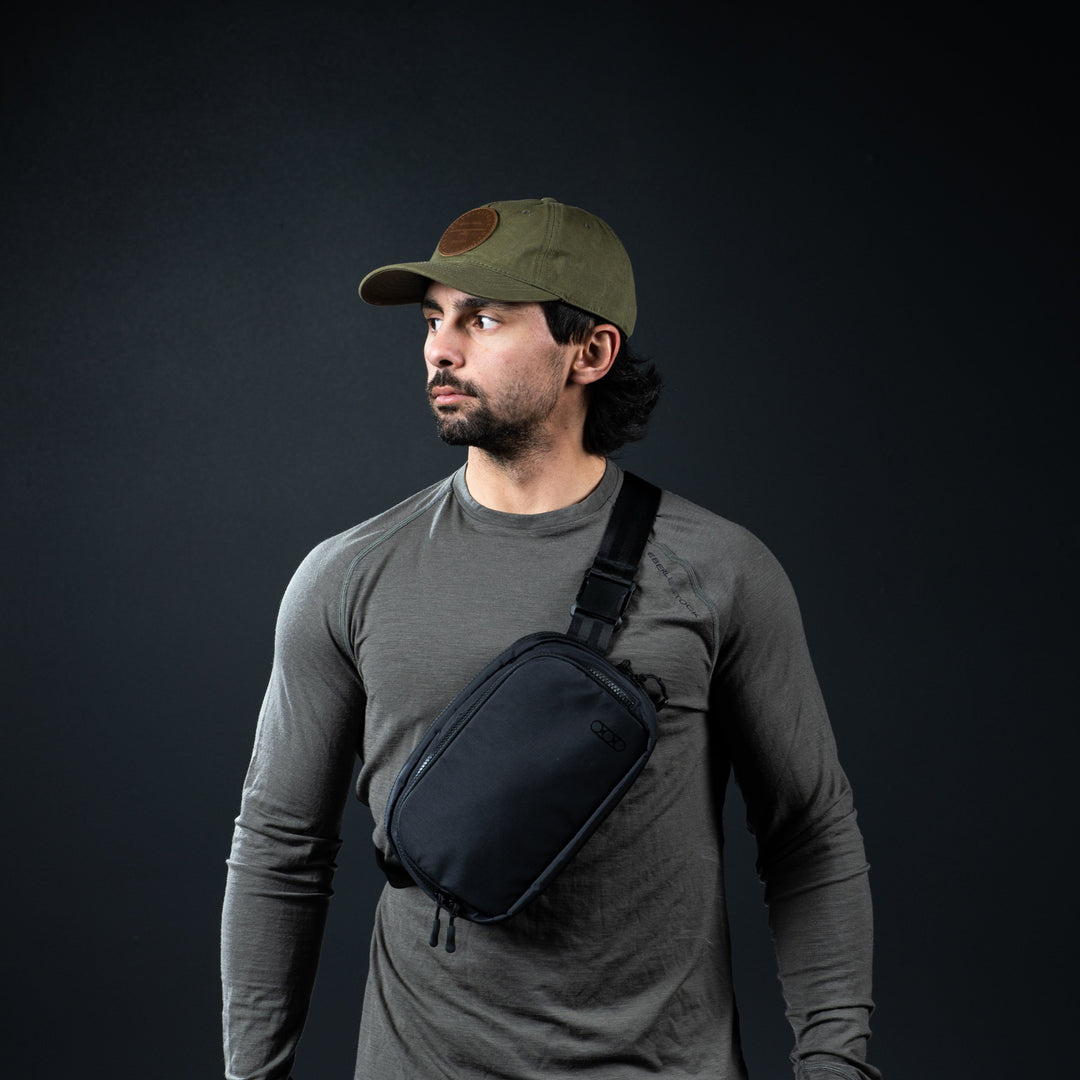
(342, 549)
(701, 532)
(725, 559)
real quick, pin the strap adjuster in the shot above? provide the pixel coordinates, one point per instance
(603, 596)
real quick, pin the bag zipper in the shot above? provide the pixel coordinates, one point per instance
(442, 901)
(612, 687)
(450, 732)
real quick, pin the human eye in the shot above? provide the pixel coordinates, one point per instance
(486, 322)
(433, 322)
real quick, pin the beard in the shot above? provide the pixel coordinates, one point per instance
(508, 429)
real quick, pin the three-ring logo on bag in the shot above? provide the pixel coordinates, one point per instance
(605, 734)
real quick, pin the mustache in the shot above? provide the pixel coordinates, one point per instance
(444, 378)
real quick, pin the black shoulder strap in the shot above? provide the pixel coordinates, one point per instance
(609, 582)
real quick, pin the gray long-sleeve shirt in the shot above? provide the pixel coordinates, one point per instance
(622, 968)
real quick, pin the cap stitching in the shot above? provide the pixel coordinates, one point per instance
(549, 238)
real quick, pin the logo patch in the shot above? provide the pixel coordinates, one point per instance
(469, 231)
(606, 735)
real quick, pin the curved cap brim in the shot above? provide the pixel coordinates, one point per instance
(406, 283)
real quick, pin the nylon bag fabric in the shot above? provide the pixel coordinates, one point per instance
(516, 773)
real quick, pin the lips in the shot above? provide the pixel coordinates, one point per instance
(447, 393)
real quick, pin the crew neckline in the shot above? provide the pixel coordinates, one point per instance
(549, 520)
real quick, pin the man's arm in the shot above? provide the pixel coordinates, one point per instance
(288, 831)
(799, 806)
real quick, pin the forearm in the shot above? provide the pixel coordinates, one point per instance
(822, 923)
(275, 909)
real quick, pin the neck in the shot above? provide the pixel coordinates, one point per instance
(533, 483)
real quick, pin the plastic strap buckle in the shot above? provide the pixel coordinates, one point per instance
(603, 596)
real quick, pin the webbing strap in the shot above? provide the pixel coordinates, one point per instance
(609, 582)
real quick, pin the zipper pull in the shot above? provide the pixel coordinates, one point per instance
(451, 933)
(435, 927)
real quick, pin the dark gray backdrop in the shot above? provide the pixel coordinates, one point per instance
(854, 244)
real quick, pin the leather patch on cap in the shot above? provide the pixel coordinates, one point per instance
(469, 231)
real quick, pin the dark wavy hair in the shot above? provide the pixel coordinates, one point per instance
(620, 402)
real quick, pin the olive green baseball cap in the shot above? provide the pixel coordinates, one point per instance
(521, 250)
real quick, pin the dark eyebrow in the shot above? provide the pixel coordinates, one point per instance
(468, 303)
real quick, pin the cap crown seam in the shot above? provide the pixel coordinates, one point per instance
(549, 240)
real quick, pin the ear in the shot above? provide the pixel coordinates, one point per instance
(596, 354)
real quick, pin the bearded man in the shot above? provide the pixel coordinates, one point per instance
(621, 968)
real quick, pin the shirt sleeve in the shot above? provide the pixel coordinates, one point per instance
(777, 735)
(288, 831)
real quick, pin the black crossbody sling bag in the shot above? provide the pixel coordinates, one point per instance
(533, 754)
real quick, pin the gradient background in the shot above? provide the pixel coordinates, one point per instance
(854, 245)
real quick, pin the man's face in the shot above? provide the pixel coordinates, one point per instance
(495, 374)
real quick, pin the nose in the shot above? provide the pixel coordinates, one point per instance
(443, 348)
